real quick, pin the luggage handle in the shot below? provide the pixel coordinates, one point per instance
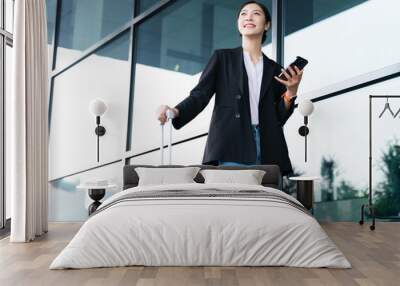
(170, 115)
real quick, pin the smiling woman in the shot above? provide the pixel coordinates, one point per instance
(251, 103)
(254, 18)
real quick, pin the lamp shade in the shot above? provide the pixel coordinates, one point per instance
(97, 107)
(306, 107)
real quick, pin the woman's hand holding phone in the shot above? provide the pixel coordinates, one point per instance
(291, 77)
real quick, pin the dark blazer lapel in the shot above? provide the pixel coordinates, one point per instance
(243, 80)
(268, 75)
(239, 68)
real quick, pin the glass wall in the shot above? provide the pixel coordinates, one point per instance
(341, 39)
(143, 5)
(73, 142)
(302, 14)
(338, 152)
(69, 203)
(187, 153)
(82, 23)
(51, 10)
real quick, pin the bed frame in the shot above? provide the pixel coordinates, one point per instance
(272, 177)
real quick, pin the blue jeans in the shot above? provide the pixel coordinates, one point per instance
(256, 134)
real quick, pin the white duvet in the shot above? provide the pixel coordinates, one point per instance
(200, 231)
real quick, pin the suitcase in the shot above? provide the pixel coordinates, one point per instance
(170, 116)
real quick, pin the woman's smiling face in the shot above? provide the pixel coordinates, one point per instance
(251, 20)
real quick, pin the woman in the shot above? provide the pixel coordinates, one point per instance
(251, 103)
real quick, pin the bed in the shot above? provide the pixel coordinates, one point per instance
(198, 224)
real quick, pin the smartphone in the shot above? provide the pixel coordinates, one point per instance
(298, 62)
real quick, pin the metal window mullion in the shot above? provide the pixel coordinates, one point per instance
(54, 41)
(132, 58)
(2, 130)
(278, 31)
(3, 13)
(9, 42)
(134, 23)
(127, 136)
(6, 33)
(2, 101)
(52, 61)
(52, 180)
(135, 8)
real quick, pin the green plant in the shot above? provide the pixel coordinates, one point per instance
(328, 173)
(387, 193)
(346, 191)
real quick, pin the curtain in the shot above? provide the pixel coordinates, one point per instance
(28, 158)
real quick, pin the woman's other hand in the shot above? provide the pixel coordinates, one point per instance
(162, 113)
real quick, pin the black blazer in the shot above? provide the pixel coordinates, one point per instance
(230, 136)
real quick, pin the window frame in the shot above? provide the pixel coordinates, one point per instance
(6, 39)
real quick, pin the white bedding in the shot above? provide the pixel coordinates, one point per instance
(200, 231)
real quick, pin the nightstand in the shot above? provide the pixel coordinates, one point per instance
(96, 193)
(305, 190)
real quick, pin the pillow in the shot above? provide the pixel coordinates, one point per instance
(164, 176)
(248, 177)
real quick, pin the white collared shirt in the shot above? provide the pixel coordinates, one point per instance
(254, 74)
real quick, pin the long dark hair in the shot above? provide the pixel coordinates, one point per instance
(266, 13)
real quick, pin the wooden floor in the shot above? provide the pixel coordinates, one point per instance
(375, 257)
